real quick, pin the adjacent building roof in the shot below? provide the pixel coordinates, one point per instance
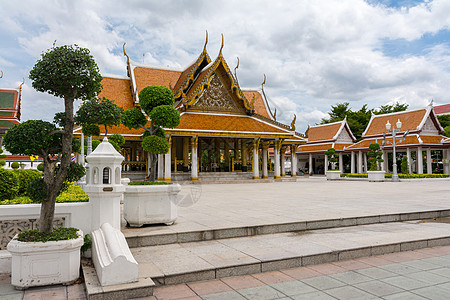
(442, 109)
(413, 140)
(9, 108)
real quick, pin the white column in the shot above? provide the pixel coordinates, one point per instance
(326, 165)
(167, 163)
(360, 162)
(446, 156)
(160, 167)
(265, 157)
(293, 161)
(365, 162)
(277, 160)
(194, 160)
(384, 164)
(352, 162)
(310, 170)
(408, 156)
(341, 163)
(419, 160)
(89, 145)
(255, 160)
(82, 162)
(283, 161)
(429, 168)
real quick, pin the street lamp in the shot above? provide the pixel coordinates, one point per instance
(394, 132)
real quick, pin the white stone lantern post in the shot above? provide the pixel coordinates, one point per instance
(103, 184)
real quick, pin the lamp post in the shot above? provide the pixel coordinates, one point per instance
(394, 132)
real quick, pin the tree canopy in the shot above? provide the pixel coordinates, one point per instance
(358, 120)
(157, 103)
(99, 112)
(445, 123)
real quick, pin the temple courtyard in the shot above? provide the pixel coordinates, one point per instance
(308, 239)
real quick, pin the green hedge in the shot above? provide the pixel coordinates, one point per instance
(25, 177)
(72, 194)
(58, 234)
(389, 175)
(149, 183)
(9, 185)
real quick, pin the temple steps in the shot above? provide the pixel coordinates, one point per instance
(205, 260)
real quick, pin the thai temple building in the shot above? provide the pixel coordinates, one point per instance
(223, 128)
(337, 135)
(9, 108)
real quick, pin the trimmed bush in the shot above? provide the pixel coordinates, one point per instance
(24, 178)
(58, 234)
(155, 144)
(15, 165)
(148, 183)
(9, 185)
(40, 167)
(404, 176)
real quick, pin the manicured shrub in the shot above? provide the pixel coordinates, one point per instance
(2, 163)
(404, 165)
(25, 177)
(155, 144)
(40, 167)
(37, 190)
(148, 183)
(58, 234)
(8, 184)
(15, 165)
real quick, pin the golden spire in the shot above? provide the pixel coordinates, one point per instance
(206, 41)
(2, 74)
(293, 123)
(264, 82)
(235, 68)
(252, 104)
(275, 114)
(23, 81)
(221, 47)
(125, 54)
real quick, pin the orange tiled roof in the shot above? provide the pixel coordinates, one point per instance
(198, 81)
(323, 132)
(446, 141)
(321, 147)
(183, 77)
(432, 139)
(117, 90)
(410, 121)
(152, 76)
(410, 140)
(226, 123)
(260, 107)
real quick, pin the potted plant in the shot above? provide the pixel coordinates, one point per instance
(333, 173)
(155, 199)
(374, 160)
(52, 256)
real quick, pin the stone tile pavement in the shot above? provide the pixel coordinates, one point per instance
(419, 274)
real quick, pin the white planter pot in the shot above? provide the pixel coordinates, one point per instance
(375, 175)
(333, 175)
(38, 263)
(150, 204)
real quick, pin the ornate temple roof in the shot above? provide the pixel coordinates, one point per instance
(9, 108)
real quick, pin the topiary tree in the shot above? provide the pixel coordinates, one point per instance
(15, 165)
(2, 162)
(404, 165)
(157, 103)
(68, 72)
(332, 158)
(96, 112)
(117, 141)
(9, 185)
(374, 156)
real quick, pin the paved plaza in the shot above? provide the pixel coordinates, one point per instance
(418, 274)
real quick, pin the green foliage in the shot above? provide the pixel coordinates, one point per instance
(9, 186)
(75, 171)
(76, 145)
(405, 165)
(404, 176)
(444, 120)
(118, 139)
(165, 116)
(358, 120)
(40, 167)
(95, 144)
(155, 144)
(354, 175)
(133, 118)
(331, 154)
(58, 234)
(25, 177)
(17, 200)
(154, 96)
(90, 130)
(159, 132)
(37, 191)
(2, 162)
(94, 111)
(447, 131)
(87, 243)
(148, 183)
(374, 156)
(15, 165)
(32, 138)
(67, 71)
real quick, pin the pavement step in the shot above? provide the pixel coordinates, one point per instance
(206, 260)
(94, 291)
(163, 235)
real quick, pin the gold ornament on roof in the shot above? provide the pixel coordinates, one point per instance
(1, 75)
(264, 82)
(237, 66)
(221, 47)
(23, 81)
(252, 104)
(275, 114)
(293, 123)
(125, 54)
(206, 41)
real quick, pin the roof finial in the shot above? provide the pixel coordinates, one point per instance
(221, 47)
(235, 68)
(2, 74)
(275, 114)
(206, 41)
(431, 102)
(170, 85)
(23, 81)
(293, 123)
(264, 82)
(125, 54)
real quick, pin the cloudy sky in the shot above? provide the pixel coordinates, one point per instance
(315, 53)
